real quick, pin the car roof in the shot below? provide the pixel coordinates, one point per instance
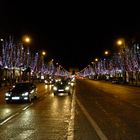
(24, 84)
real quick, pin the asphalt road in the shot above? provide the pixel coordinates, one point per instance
(95, 111)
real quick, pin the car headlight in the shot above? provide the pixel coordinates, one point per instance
(69, 83)
(72, 84)
(25, 94)
(55, 88)
(7, 94)
(67, 88)
(32, 91)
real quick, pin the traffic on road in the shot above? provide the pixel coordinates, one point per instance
(95, 110)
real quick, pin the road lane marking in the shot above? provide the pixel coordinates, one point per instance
(71, 122)
(14, 115)
(9, 118)
(93, 123)
(27, 107)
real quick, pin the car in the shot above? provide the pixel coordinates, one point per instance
(62, 87)
(49, 81)
(72, 81)
(116, 80)
(21, 92)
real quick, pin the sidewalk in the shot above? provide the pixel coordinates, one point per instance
(135, 84)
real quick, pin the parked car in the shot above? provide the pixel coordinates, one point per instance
(62, 87)
(116, 80)
(21, 92)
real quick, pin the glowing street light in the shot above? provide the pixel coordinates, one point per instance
(1, 39)
(106, 52)
(26, 39)
(121, 42)
(43, 53)
(96, 59)
(42, 56)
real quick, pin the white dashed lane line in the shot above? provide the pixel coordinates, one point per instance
(14, 115)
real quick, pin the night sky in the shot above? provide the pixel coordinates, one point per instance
(73, 34)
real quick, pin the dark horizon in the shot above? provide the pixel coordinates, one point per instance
(74, 38)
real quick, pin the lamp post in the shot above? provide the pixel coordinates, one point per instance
(43, 54)
(122, 44)
(96, 68)
(26, 40)
(106, 64)
(106, 53)
(1, 41)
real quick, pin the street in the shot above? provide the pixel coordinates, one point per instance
(95, 110)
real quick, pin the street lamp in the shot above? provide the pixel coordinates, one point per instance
(26, 40)
(1, 39)
(96, 59)
(105, 64)
(121, 42)
(43, 53)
